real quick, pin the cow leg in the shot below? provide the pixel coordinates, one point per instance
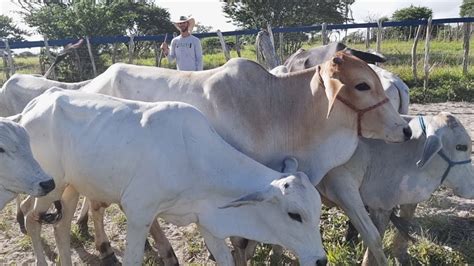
(102, 243)
(33, 227)
(240, 250)
(23, 208)
(351, 234)
(380, 218)
(165, 250)
(343, 189)
(275, 257)
(217, 247)
(83, 218)
(138, 226)
(400, 243)
(62, 229)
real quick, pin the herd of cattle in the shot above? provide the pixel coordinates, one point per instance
(237, 150)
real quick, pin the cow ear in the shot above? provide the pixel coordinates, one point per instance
(290, 165)
(333, 87)
(432, 146)
(252, 198)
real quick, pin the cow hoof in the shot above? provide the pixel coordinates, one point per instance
(110, 259)
(50, 218)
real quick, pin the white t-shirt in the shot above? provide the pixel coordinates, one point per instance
(187, 51)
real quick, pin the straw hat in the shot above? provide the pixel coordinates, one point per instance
(189, 19)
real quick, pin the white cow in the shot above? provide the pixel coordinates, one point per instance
(19, 171)
(397, 91)
(22, 88)
(167, 159)
(268, 117)
(382, 176)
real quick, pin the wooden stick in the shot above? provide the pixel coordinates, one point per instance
(89, 48)
(50, 70)
(224, 47)
(324, 33)
(11, 66)
(379, 35)
(467, 36)
(131, 49)
(427, 54)
(414, 59)
(158, 63)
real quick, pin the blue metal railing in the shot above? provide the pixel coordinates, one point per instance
(161, 37)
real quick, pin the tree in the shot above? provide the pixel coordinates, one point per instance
(286, 13)
(467, 8)
(411, 12)
(61, 19)
(9, 30)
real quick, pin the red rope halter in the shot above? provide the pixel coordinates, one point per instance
(360, 112)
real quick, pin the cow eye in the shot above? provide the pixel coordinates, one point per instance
(460, 147)
(362, 86)
(295, 217)
(2, 150)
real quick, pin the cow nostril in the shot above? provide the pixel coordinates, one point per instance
(322, 262)
(407, 132)
(47, 185)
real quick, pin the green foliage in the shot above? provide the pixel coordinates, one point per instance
(412, 12)
(77, 19)
(212, 45)
(9, 30)
(467, 8)
(287, 13)
(407, 13)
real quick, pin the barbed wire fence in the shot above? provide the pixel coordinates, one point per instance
(104, 51)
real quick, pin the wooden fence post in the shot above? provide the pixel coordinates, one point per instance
(11, 66)
(48, 54)
(89, 48)
(379, 35)
(324, 33)
(367, 39)
(281, 46)
(157, 53)
(414, 59)
(467, 37)
(5, 65)
(114, 53)
(237, 45)
(224, 47)
(272, 40)
(131, 49)
(427, 54)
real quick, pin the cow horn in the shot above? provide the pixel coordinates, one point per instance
(251, 198)
(432, 146)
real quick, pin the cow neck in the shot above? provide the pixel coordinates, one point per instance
(441, 153)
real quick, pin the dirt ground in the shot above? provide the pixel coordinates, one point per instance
(16, 248)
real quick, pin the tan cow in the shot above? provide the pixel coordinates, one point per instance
(268, 117)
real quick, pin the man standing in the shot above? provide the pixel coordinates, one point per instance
(185, 48)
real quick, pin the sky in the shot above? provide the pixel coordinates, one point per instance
(209, 12)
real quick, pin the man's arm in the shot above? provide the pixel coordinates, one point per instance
(198, 53)
(170, 52)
